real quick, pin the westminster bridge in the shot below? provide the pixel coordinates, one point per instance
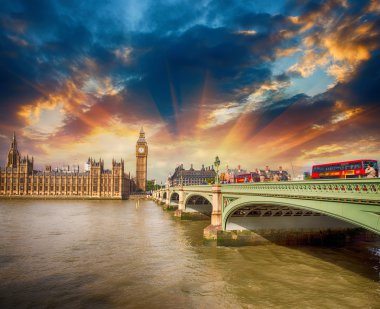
(284, 212)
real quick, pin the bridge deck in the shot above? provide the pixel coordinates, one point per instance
(353, 200)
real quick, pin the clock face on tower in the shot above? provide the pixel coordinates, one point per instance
(141, 150)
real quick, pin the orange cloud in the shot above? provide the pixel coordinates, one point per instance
(344, 43)
(346, 115)
(340, 72)
(286, 52)
(309, 62)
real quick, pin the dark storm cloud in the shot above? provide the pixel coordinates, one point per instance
(227, 57)
(363, 88)
(335, 7)
(181, 15)
(263, 22)
(299, 7)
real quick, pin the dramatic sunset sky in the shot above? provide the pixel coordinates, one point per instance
(256, 82)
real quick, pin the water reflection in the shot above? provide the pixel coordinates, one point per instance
(117, 254)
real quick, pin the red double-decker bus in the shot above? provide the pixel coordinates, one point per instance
(247, 177)
(346, 169)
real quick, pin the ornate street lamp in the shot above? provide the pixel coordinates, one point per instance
(217, 164)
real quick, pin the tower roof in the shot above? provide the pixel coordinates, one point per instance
(142, 136)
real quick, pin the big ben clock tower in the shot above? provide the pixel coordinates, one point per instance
(141, 161)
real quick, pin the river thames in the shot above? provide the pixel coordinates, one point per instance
(117, 254)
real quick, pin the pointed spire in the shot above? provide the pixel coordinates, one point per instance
(14, 157)
(14, 141)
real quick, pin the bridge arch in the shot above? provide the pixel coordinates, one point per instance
(258, 207)
(190, 195)
(198, 202)
(174, 197)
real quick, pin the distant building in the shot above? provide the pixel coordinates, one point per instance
(230, 174)
(269, 174)
(19, 178)
(234, 175)
(191, 176)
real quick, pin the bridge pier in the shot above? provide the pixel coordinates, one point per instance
(159, 200)
(170, 207)
(181, 204)
(211, 231)
(167, 201)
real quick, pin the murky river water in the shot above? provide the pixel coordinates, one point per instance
(112, 254)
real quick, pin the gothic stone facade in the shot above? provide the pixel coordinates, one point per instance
(192, 176)
(19, 179)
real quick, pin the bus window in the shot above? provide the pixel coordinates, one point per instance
(374, 164)
(334, 168)
(353, 166)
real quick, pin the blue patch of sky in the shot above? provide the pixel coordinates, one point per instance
(281, 65)
(315, 84)
(270, 7)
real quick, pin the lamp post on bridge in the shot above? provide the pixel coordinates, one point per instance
(217, 164)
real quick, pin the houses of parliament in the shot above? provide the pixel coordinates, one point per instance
(19, 178)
